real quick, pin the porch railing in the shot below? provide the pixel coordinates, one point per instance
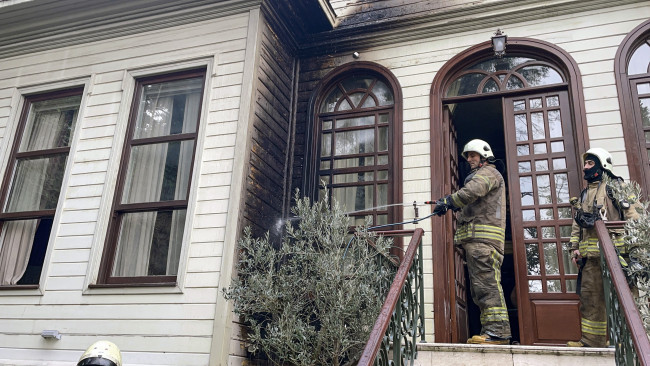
(626, 331)
(394, 337)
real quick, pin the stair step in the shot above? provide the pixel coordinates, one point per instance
(430, 354)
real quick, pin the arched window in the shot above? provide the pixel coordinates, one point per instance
(507, 73)
(358, 153)
(633, 78)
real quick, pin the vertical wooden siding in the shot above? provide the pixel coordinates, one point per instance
(265, 185)
(151, 326)
(591, 38)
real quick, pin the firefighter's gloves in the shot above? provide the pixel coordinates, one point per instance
(444, 204)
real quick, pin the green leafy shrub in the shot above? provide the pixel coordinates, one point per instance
(313, 300)
(637, 241)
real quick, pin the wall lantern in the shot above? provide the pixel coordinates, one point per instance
(499, 41)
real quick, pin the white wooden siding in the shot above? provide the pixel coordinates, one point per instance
(151, 326)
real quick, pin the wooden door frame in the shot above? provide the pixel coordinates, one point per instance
(442, 287)
(638, 172)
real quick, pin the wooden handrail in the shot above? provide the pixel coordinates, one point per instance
(381, 325)
(632, 315)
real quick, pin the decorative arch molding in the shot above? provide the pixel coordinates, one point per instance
(439, 128)
(310, 170)
(634, 151)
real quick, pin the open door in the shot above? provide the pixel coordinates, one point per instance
(543, 175)
(457, 297)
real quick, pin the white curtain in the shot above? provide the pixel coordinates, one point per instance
(144, 184)
(17, 237)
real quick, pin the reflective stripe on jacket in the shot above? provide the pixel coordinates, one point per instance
(482, 201)
(586, 240)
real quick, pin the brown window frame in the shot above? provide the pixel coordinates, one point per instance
(105, 278)
(16, 155)
(633, 132)
(394, 181)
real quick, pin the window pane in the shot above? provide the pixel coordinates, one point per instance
(382, 139)
(158, 172)
(540, 75)
(354, 198)
(564, 213)
(169, 108)
(526, 189)
(645, 111)
(383, 93)
(356, 82)
(541, 165)
(569, 266)
(532, 259)
(562, 188)
(356, 98)
(550, 259)
(537, 121)
(521, 127)
(523, 150)
(548, 232)
(559, 163)
(524, 167)
(354, 142)
(354, 162)
(354, 177)
(519, 105)
(554, 286)
(643, 88)
(544, 189)
(500, 64)
(490, 87)
(26, 240)
(554, 123)
(539, 148)
(369, 102)
(534, 286)
(382, 194)
(330, 102)
(557, 146)
(466, 84)
(36, 184)
(149, 244)
(530, 233)
(514, 83)
(528, 215)
(546, 214)
(536, 103)
(552, 101)
(639, 60)
(326, 145)
(50, 123)
(354, 122)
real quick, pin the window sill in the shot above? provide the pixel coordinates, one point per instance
(20, 290)
(133, 289)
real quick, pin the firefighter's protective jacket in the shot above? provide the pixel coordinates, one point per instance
(482, 201)
(586, 240)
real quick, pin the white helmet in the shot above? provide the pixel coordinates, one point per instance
(102, 353)
(478, 146)
(603, 156)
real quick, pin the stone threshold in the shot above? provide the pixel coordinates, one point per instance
(516, 349)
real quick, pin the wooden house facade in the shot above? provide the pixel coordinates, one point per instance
(138, 138)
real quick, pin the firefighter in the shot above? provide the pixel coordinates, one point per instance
(102, 353)
(481, 231)
(595, 202)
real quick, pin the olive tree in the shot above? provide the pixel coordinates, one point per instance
(313, 299)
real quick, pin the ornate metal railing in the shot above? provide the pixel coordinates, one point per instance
(626, 331)
(394, 337)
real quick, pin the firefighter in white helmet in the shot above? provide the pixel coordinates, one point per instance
(596, 202)
(102, 353)
(480, 230)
